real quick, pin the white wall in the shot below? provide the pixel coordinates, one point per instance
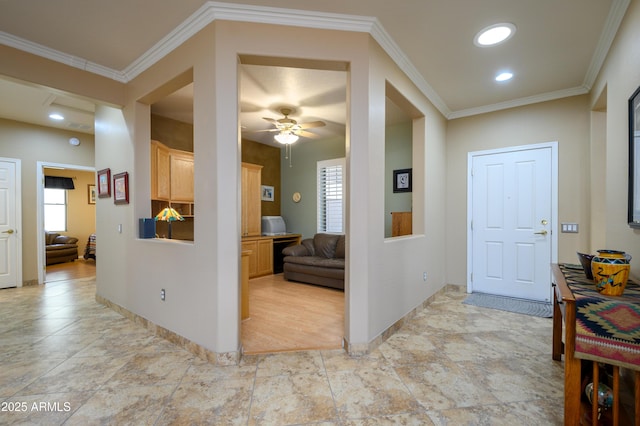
(565, 121)
(619, 78)
(33, 144)
(384, 280)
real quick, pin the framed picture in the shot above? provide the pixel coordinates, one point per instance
(91, 194)
(634, 160)
(121, 188)
(267, 193)
(402, 180)
(104, 183)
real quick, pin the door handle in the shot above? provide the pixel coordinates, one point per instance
(544, 232)
(10, 231)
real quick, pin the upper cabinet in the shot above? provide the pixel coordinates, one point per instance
(181, 176)
(251, 199)
(171, 174)
(160, 172)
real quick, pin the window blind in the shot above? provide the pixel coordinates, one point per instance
(58, 182)
(330, 196)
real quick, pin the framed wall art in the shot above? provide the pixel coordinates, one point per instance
(634, 160)
(402, 180)
(121, 188)
(91, 194)
(267, 193)
(104, 183)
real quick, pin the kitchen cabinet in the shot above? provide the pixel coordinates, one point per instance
(251, 200)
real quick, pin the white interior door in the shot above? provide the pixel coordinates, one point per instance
(10, 251)
(512, 223)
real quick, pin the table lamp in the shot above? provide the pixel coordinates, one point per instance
(168, 214)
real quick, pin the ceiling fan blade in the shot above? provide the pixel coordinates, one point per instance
(265, 130)
(306, 134)
(312, 124)
(270, 120)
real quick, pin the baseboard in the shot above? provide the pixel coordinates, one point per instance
(360, 349)
(223, 358)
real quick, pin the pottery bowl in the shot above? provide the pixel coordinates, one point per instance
(585, 261)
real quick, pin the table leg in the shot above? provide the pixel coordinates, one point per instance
(556, 353)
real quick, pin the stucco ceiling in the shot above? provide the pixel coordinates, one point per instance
(557, 51)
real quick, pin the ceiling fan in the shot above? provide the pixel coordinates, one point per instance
(289, 129)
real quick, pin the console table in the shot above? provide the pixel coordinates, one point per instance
(600, 328)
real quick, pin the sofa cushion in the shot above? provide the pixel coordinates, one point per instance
(325, 245)
(57, 247)
(63, 239)
(340, 250)
(296, 250)
(319, 261)
(49, 237)
(308, 244)
(316, 271)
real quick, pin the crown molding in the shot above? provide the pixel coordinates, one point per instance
(543, 97)
(212, 10)
(611, 26)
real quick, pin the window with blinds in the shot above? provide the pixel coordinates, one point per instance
(330, 195)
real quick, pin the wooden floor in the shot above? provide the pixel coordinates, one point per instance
(283, 315)
(79, 268)
(290, 316)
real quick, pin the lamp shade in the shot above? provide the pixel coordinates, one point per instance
(286, 138)
(168, 214)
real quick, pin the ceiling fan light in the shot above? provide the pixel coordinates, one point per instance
(286, 138)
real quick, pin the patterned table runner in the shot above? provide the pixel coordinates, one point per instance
(607, 327)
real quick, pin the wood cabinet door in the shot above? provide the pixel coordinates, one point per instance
(253, 256)
(181, 176)
(265, 257)
(160, 172)
(251, 203)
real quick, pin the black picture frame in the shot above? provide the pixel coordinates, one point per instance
(633, 216)
(402, 180)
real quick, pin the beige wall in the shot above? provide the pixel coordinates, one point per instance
(81, 216)
(384, 279)
(32, 144)
(565, 121)
(617, 81)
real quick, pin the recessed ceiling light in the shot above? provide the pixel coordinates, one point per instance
(494, 34)
(504, 76)
(56, 116)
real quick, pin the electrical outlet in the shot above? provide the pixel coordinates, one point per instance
(424, 276)
(162, 294)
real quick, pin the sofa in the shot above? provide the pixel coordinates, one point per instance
(318, 260)
(60, 248)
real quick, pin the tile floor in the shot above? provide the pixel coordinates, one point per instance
(64, 359)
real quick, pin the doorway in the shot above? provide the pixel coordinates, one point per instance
(313, 94)
(512, 211)
(80, 214)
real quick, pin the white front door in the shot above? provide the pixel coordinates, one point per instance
(512, 223)
(10, 249)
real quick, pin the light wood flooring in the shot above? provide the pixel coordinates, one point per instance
(284, 315)
(79, 268)
(290, 316)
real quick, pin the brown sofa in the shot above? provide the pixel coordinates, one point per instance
(318, 260)
(60, 248)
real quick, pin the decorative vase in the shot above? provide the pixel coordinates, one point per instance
(610, 270)
(605, 395)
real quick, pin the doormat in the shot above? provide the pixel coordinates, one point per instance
(510, 304)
